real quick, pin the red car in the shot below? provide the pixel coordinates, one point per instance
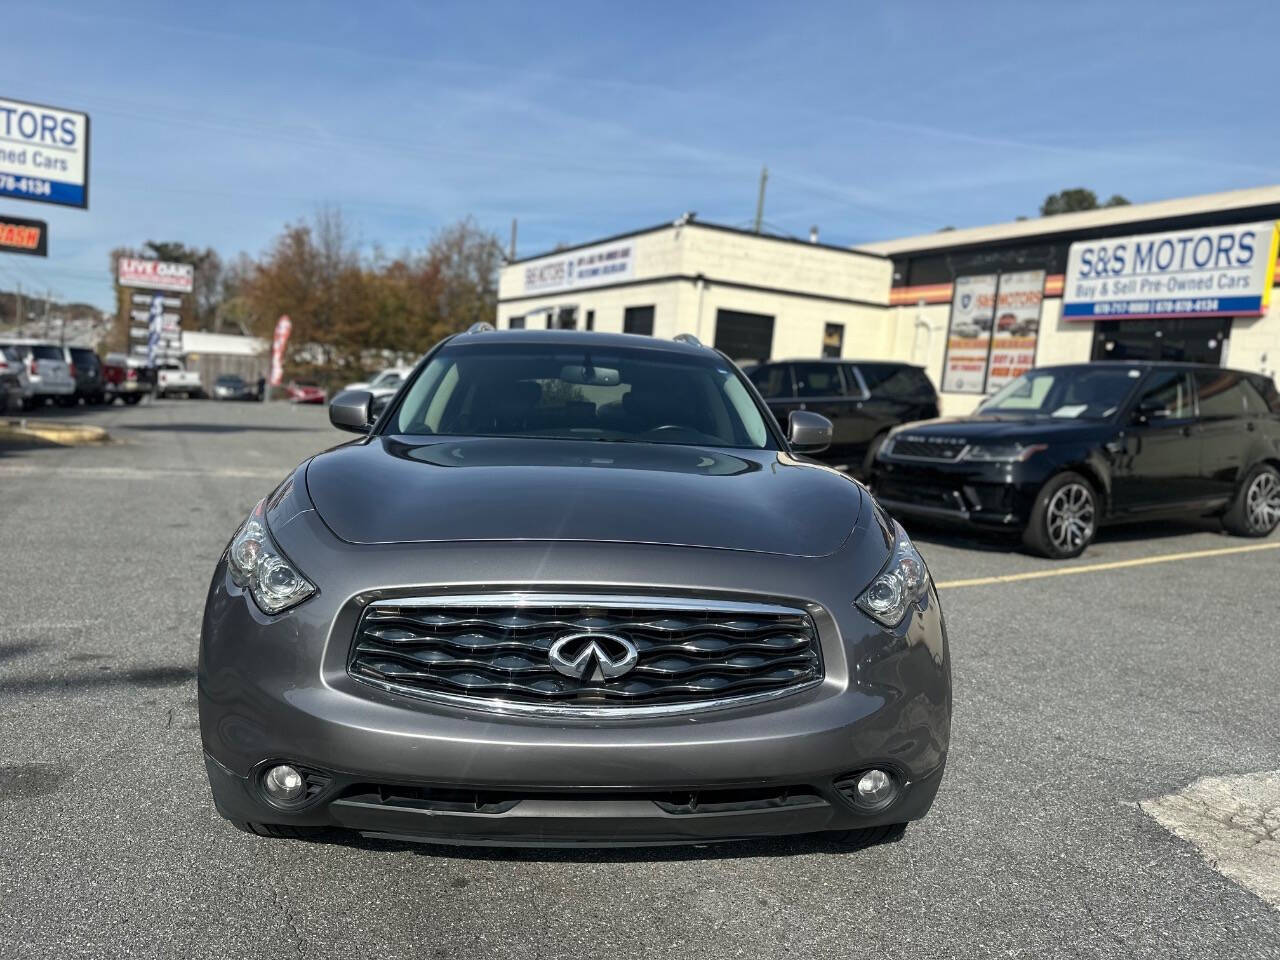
(305, 393)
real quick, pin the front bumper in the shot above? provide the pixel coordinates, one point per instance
(994, 496)
(276, 689)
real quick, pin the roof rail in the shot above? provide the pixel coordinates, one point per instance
(481, 326)
(688, 338)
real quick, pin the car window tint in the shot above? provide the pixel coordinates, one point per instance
(773, 381)
(1169, 394)
(46, 352)
(561, 392)
(83, 358)
(895, 382)
(817, 379)
(1266, 388)
(1221, 393)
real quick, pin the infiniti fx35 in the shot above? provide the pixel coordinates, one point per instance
(573, 589)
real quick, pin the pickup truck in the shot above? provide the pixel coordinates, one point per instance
(172, 377)
(126, 378)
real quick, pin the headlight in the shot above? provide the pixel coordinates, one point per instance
(903, 581)
(1001, 452)
(258, 565)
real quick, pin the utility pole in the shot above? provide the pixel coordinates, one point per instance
(512, 254)
(20, 318)
(48, 294)
(764, 178)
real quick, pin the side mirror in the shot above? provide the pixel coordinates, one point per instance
(808, 432)
(350, 410)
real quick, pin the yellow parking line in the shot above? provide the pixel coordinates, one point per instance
(1113, 565)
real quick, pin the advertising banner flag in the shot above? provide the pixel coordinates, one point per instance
(1017, 326)
(284, 326)
(973, 306)
(155, 328)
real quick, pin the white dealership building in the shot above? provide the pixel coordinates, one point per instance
(1178, 279)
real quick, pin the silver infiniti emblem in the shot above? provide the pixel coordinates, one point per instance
(593, 656)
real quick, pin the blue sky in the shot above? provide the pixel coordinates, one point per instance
(215, 124)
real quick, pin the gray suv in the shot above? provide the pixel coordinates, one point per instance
(573, 589)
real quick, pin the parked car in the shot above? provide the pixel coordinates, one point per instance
(305, 393)
(1063, 450)
(126, 378)
(172, 377)
(86, 371)
(14, 385)
(48, 376)
(863, 399)
(388, 380)
(229, 386)
(573, 589)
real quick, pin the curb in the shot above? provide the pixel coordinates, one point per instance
(35, 432)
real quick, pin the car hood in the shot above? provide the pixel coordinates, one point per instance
(407, 490)
(1000, 428)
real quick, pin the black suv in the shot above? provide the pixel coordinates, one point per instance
(1061, 450)
(863, 399)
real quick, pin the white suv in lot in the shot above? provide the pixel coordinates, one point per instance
(48, 376)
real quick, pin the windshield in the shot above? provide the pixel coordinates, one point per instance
(225, 381)
(534, 390)
(1072, 393)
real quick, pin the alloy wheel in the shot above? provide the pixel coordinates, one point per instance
(1262, 501)
(1070, 517)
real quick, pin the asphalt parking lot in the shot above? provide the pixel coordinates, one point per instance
(1077, 698)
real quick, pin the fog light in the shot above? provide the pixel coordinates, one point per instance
(284, 784)
(875, 788)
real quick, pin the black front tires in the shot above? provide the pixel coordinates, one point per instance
(1255, 512)
(1064, 519)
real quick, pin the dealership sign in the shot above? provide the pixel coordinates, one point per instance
(44, 154)
(1212, 271)
(24, 236)
(585, 267)
(156, 275)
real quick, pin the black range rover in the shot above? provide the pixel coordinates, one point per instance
(863, 399)
(1062, 450)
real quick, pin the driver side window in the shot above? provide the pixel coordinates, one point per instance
(1167, 396)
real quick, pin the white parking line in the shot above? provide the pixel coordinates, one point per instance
(1111, 565)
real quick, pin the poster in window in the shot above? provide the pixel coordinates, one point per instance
(969, 336)
(1017, 326)
(833, 340)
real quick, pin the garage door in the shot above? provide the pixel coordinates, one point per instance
(744, 336)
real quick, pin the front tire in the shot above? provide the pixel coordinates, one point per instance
(1255, 512)
(277, 831)
(850, 840)
(1064, 518)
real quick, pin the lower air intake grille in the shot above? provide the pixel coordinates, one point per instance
(611, 655)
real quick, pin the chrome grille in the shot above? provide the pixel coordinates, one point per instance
(494, 651)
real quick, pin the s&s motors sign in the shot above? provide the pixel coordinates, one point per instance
(44, 154)
(584, 267)
(1212, 271)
